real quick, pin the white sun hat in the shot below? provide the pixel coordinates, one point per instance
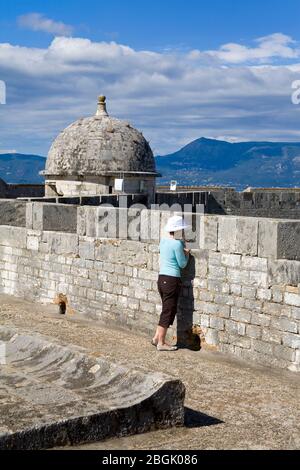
(175, 224)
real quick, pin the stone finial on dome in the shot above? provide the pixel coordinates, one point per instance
(101, 108)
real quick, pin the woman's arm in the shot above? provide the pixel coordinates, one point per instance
(181, 258)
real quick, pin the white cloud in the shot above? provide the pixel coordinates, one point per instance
(276, 45)
(39, 22)
(4, 151)
(173, 97)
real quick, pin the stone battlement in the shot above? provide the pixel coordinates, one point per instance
(241, 285)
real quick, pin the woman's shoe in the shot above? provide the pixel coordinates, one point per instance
(166, 347)
(153, 343)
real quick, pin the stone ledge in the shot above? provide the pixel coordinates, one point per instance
(69, 397)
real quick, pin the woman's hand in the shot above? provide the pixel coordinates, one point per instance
(187, 251)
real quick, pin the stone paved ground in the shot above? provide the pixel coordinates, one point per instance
(230, 404)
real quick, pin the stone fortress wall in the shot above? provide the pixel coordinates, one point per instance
(274, 203)
(279, 203)
(241, 285)
(12, 191)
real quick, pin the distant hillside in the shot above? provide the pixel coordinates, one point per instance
(202, 162)
(214, 162)
(19, 168)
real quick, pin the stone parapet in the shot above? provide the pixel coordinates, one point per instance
(245, 299)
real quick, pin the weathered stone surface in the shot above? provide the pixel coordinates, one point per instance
(13, 236)
(52, 217)
(289, 240)
(238, 235)
(283, 272)
(292, 299)
(211, 376)
(62, 396)
(12, 212)
(267, 238)
(116, 280)
(150, 226)
(99, 144)
(60, 243)
(279, 239)
(208, 233)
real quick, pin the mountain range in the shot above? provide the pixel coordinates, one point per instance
(202, 162)
(214, 162)
(21, 169)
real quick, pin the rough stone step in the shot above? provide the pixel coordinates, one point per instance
(55, 395)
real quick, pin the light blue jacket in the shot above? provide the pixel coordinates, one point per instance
(172, 257)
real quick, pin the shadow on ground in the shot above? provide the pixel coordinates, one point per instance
(195, 419)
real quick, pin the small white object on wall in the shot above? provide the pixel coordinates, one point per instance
(119, 184)
(173, 185)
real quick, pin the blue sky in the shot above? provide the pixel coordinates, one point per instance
(176, 69)
(157, 24)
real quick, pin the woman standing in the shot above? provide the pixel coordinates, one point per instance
(173, 257)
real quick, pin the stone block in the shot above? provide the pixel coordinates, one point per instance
(214, 259)
(253, 305)
(217, 272)
(33, 240)
(291, 340)
(81, 220)
(217, 323)
(282, 272)
(271, 335)
(262, 347)
(87, 248)
(224, 299)
(239, 302)
(15, 237)
(60, 243)
(264, 294)
(259, 279)
(288, 240)
(292, 299)
(236, 289)
(284, 324)
(193, 233)
(285, 353)
(12, 212)
(295, 313)
(204, 320)
(29, 215)
(267, 238)
(241, 315)
(277, 294)
(212, 337)
(134, 222)
(235, 328)
(238, 235)
(248, 292)
(239, 341)
(253, 331)
(164, 217)
(254, 263)
(108, 223)
(260, 319)
(236, 276)
(54, 217)
(216, 285)
(208, 233)
(231, 261)
(279, 239)
(150, 226)
(224, 311)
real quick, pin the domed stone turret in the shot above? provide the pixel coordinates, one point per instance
(89, 155)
